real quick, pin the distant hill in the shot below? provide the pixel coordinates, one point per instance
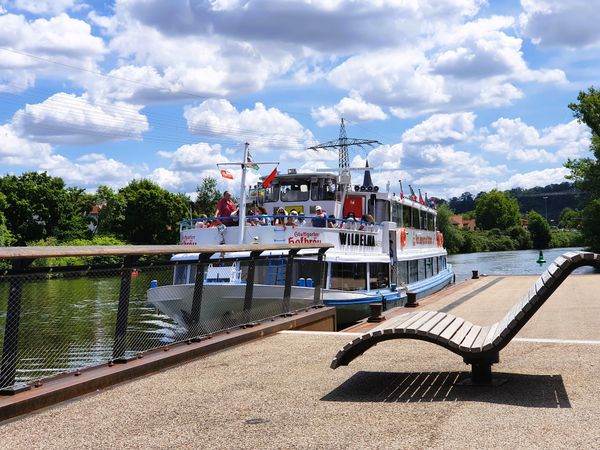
(558, 197)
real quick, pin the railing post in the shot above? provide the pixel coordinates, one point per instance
(198, 288)
(8, 370)
(250, 285)
(318, 281)
(287, 289)
(123, 310)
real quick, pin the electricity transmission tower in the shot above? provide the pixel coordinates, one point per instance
(342, 143)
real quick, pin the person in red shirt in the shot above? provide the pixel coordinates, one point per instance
(226, 208)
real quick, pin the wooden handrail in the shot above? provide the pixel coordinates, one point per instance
(130, 250)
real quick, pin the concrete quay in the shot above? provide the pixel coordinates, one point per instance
(279, 392)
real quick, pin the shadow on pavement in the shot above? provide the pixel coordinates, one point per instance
(535, 391)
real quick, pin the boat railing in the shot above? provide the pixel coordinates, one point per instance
(67, 308)
(289, 220)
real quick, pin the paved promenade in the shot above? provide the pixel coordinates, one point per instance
(279, 392)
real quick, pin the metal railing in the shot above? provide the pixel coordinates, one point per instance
(59, 319)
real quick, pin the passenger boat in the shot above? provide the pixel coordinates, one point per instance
(401, 251)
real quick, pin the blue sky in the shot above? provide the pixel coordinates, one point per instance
(464, 95)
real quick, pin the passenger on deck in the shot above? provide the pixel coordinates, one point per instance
(252, 217)
(293, 218)
(349, 222)
(225, 209)
(280, 217)
(367, 222)
(263, 215)
(202, 223)
(320, 219)
(331, 221)
(301, 220)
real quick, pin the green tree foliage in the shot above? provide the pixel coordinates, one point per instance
(496, 210)
(586, 171)
(540, 230)
(570, 219)
(462, 204)
(151, 214)
(207, 197)
(453, 241)
(38, 206)
(111, 211)
(520, 236)
(6, 238)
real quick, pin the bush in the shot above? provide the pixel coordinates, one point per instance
(77, 260)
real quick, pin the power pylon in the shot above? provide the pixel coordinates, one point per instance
(342, 143)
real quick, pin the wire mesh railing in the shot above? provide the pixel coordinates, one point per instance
(55, 320)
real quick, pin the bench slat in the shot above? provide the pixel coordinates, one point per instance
(437, 330)
(489, 339)
(467, 342)
(409, 320)
(478, 342)
(460, 334)
(412, 328)
(424, 329)
(450, 330)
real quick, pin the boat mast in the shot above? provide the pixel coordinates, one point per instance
(242, 205)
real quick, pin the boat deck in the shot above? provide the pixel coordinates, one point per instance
(279, 392)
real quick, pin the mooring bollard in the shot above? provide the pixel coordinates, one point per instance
(475, 275)
(376, 313)
(411, 300)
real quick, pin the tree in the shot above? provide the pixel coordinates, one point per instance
(570, 219)
(540, 230)
(586, 171)
(453, 240)
(521, 237)
(6, 238)
(496, 210)
(462, 204)
(151, 214)
(207, 196)
(38, 206)
(111, 206)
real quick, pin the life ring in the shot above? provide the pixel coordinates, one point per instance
(440, 239)
(402, 233)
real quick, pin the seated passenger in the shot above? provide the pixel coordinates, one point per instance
(263, 215)
(349, 222)
(280, 217)
(367, 222)
(320, 219)
(331, 221)
(202, 223)
(293, 218)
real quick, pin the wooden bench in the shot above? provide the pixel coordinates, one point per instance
(478, 346)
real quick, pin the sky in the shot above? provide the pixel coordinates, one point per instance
(463, 95)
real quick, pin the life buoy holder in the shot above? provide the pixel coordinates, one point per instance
(402, 233)
(440, 239)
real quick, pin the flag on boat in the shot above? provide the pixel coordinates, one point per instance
(421, 201)
(401, 190)
(225, 173)
(413, 196)
(267, 181)
(250, 162)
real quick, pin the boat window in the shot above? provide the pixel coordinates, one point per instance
(406, 216)
(402, 272)
(323, 189)
(397, 213)
(430, 222)
(435, 266)
(272, 193)
(180, 276)
(428, 267)
(415, 218)
(424, 220)
(382, 211)
(294, 192)
(421, 274)
(348, 277)
(378, 275)
(412, 271)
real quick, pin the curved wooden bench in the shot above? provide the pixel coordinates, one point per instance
(478, 346)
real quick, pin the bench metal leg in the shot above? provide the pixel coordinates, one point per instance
(481, 371)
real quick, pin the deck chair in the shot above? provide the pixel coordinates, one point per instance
(479, 346)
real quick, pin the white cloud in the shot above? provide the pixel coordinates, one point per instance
(352, 108)
(518, 141)
(60, 39)
(442, 128)
(556, 23)
(68, 119)
(44, 6)
(14, 150)
(535, 178)
(264, 128)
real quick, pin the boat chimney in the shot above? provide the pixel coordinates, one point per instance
(367, 182)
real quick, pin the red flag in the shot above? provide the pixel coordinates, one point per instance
(226, 174)
(267, 182)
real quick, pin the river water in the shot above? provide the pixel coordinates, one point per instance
(518, 262)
